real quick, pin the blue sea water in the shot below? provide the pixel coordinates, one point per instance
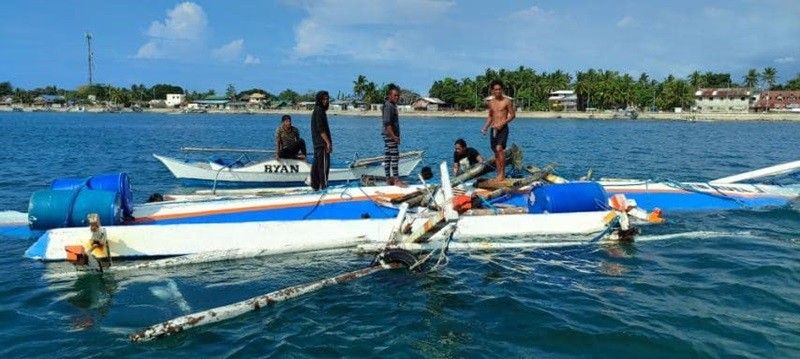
(710, 284)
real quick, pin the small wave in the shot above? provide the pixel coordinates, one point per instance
(697, 235)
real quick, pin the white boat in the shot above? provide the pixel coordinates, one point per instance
(277, 173)
(298, 235)
(278, 237)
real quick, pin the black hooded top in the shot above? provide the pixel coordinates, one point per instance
(319, 121)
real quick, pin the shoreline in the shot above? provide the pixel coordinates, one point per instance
(600, 115)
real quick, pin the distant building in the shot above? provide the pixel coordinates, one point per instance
(7, 100)
(49, 100)
(778, 101)
(339, 105)
(563, 100)
(256, 99)
(428, 104)
(218, 102)
(175, 99)
(305, 105)
(156, 104)
(722, 100)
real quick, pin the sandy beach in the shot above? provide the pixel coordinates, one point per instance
(603, 115)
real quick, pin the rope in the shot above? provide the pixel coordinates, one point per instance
(605, 231)
(487, 204)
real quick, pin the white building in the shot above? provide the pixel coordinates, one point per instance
(563, 100)
(428, 104)
(175, 99)
(722, 100)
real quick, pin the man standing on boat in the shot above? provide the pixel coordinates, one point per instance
(501, 112)
(461, 153)
(391, 136)
(321, 136)
(288, 144)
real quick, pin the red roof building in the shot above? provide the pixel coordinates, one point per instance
(777, 101)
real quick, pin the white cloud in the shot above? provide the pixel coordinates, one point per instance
(786, 60)
(181, 34)
(149, 50)
(187, 21)
(626, 21)
(533, 11)
(365, 29)
(229, 52)
(251, 60)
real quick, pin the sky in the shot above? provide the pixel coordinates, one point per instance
(325, 44)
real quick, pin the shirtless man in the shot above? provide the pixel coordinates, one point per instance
(501, 112)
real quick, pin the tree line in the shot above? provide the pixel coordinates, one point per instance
(595, 88)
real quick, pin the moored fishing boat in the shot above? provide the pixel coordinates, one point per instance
(243, 172)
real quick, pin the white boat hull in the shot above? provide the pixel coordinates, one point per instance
(276, 172)
(278, 237)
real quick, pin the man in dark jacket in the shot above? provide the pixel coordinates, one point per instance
(321, 136)
(391, 136)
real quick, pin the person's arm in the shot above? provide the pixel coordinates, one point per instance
(488, 121)
(456, 168)
(328, 145)
(511, 113)
(479, 158)
(278, 145)
(386, 114)
(390, 132)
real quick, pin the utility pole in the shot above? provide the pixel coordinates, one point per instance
(91, 57)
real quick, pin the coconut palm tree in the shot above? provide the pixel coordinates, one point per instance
(769, 76)
(751, 79)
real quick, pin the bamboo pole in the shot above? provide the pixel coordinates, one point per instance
(229, 311)
(212, 149)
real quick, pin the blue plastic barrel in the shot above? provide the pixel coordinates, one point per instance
(68, 208)
(50, 209)
(106, 204)
(115, 182)
(68, 183)
(568, 197)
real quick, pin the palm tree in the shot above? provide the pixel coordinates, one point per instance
(695, 79)
(751, 79)
(769, 75)
(360, 87)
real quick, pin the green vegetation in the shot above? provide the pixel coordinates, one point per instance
(595, 88)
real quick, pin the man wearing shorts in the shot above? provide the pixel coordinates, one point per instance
(501, 112)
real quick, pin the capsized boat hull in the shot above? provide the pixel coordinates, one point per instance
(698, 196)
(368, 202)
(278, 237)
(276, 173)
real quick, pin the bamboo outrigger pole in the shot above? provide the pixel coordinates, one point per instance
(213, 149)
(229, 311)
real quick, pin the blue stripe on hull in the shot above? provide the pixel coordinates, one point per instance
(355, 209)
(38, 249)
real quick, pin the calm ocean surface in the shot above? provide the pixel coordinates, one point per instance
(712, 284)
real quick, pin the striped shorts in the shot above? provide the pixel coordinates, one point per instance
(391, 158)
